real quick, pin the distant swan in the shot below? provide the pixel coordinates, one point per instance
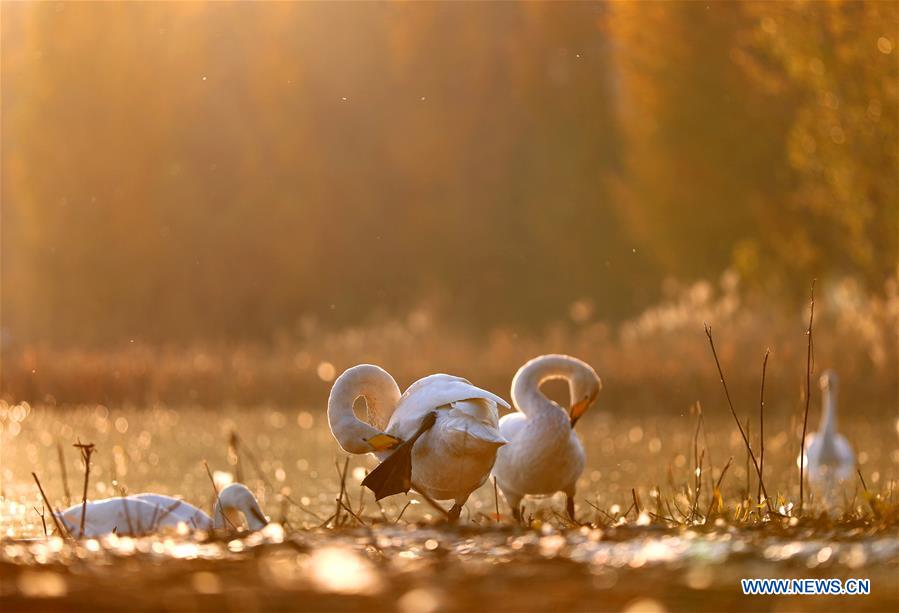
(147, 513)
(544, 454)
(440, 436)
(828, 455)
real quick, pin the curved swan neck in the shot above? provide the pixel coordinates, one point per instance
(237, 497)
(526, 394)
(381, 395)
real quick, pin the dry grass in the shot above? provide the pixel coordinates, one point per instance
(658, 505)
(657, 357)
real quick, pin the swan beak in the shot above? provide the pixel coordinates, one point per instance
(383, 442)
(578, 409)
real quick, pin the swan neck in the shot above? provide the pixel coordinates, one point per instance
(829, 413)
(238, 498)
(381, 395)
(526, 394)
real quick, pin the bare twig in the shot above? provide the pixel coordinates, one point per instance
(342, 476)
(730, 404)
(87, 450)
(762, 425)
(748, 427)
(41, 514)
(406, 506)
(429, 500)
(48, 506)
(217, 499)
(636, 501)
(347, 508)
(808, 393)
(62, 470)
(868, 496)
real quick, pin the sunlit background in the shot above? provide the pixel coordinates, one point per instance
(209, 210)
(185, 171)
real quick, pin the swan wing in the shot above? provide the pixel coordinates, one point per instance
(432, 393)
(171, 508)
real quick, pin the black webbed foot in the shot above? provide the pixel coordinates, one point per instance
(393, 475)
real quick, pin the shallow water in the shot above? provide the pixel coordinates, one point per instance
(625, 561)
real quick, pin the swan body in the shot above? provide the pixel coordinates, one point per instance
(544, 454)
(829, 458)
(450, 457)
(146, 513)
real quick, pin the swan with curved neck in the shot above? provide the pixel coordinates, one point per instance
(544, 454)
(147, 513)
(440, 436)
(828, 455)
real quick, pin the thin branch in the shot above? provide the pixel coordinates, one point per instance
(762, 425)
(87, 450)
(398, 517)
(48, 506)
(342, 476)
(41, 514)
(347, 508)
(868, 497)
(730, 404)
(218, 499)
(808, 393)
(418, 490)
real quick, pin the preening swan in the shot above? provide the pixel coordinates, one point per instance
(828, 455)
(440, 436)
(147, 513)
(544, 455)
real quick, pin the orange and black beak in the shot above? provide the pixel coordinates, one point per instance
(578, 409)
(383, 442)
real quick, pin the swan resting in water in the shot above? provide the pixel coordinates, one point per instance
(439, 437)
(829, 460)
(544, 454)
(146, 513)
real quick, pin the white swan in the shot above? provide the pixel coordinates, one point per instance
(829, 459)
(440, 436)
(147, 513)
(544, 455)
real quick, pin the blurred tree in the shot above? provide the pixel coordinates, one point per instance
(839, 60)
(188, 170)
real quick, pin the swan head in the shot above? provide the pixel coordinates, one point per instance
(829, 381)
(381, 396)
(69, 521)
(584, 386)
(238, 497)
